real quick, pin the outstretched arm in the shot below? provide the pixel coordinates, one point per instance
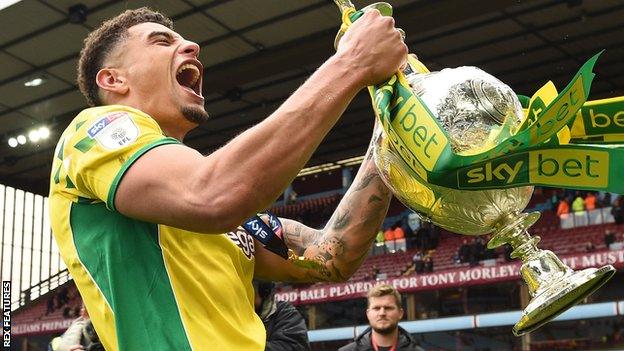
(342, 245)
(218, 192)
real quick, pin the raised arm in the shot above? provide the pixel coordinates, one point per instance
(344, 242)
(177, 186)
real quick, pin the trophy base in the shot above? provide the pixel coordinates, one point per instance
(561, 295)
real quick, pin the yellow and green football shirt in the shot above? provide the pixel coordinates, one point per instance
(146, 286)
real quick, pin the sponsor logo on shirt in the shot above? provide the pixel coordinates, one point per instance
(103, 122)
(114, 130)
(244, 241)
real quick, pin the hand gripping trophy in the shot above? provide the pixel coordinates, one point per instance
(456, 147)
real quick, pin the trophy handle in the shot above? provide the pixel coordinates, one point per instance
(347, 9)
(349, 14)
(344, 5)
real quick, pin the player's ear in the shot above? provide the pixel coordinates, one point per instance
(112, 80)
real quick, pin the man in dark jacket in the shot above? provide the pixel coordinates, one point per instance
(384, 334)
(285, 327)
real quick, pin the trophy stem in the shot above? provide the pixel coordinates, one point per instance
(512, 229)
(553, 286)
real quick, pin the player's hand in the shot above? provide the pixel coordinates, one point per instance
(76, 348)
(374, 46)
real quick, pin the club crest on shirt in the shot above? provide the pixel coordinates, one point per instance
(243, 240)
(114, 130)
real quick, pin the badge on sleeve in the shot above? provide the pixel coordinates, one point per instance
(114, 130)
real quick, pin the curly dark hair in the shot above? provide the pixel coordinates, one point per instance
(99, 43)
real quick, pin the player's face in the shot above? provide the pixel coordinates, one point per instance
(383, 314)
(163, 72)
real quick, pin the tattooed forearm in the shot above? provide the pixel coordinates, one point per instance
(351, 230)
(298, 237)
(341, 220)
(343, 244)
(333, 261)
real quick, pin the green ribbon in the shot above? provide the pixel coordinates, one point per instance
(534, 154)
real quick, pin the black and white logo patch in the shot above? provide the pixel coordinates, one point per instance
(244, 241)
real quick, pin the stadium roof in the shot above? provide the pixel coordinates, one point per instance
(257, 52)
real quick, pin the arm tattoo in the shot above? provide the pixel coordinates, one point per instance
(343, 244)
(374, 198)
(298, 237)
(341, 220)
(365, 182)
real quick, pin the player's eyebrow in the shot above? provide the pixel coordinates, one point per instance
(167, 35)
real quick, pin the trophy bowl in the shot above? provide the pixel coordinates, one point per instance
(472, 106)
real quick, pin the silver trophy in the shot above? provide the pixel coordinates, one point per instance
(471, 106)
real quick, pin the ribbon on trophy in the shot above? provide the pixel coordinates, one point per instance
(563, 140)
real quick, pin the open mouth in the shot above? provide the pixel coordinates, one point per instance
(189, 76)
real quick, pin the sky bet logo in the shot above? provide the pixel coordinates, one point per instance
(603, 117)
(103, 122)
(257, 229)
(512, 170)
(560, 167)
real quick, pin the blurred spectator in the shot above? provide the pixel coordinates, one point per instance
(285, 327)
(407, 270)
(618, 210)
(427, 237)
(389, 234)
(375, 271)
(554, 200)
(578, 205)
(68, 312)
(63, 297)
(290, 196)
(380, 237)
(432, 237)
(606, 200)
(50, 305)
(455, 258)
(478, 251)
(417, 259)
(590, 247)
(563, 207)
(399, 237)
(490, 254)
(422, 236)
(409, 233)
(79, 336)
(508, 251)
(399, 233)
(379, 247)
(609, 238)
(464, 252)
(428, 263)
(590, 201)
(389, 239)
